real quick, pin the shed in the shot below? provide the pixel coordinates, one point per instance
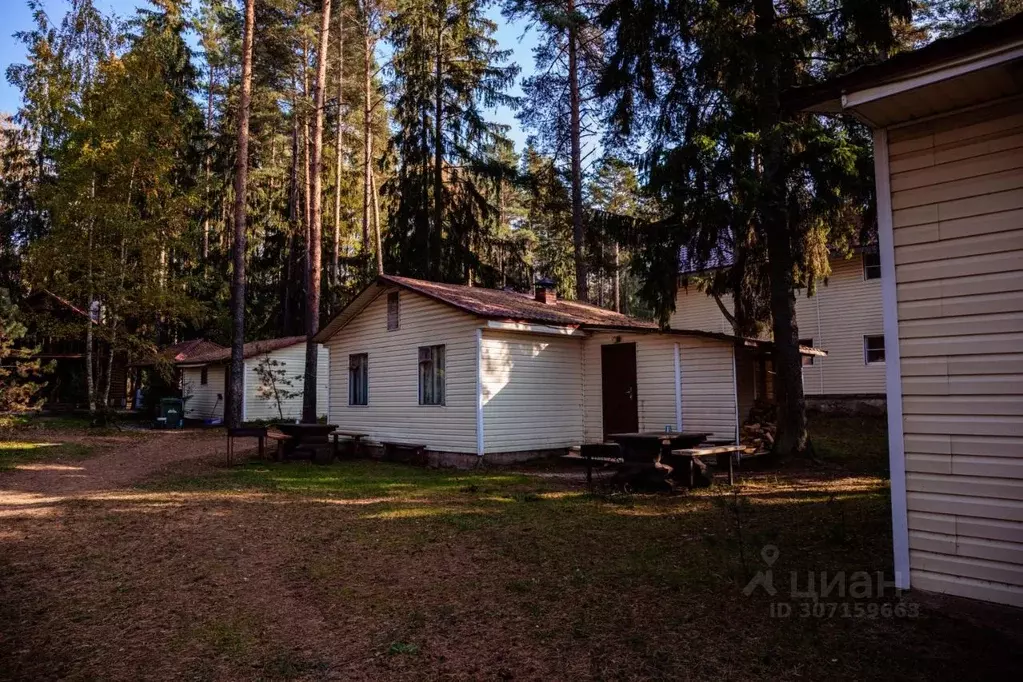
(472, 372)
(948, 146)
(204, 380)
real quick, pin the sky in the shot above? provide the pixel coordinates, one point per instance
(17, 17)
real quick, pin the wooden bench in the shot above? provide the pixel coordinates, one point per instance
(260, 434)
(354, 436)
(416, 452)
(608, 453)
(722, 452)
(282, 440)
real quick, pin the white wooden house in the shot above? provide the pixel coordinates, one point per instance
(204, 381)
(948, 147)
(844, 316)
(471, 372)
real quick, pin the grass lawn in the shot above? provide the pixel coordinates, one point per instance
(14, 453)
(366, 570)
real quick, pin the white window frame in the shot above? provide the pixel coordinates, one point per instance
(867, 268)
(438, 374)
(394, 297)
(866, 349)
(365, 379)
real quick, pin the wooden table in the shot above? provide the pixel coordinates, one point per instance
(721, 451)
(646, 446)
(307, 436)
(356, 441)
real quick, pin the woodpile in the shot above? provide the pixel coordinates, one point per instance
(757, 432)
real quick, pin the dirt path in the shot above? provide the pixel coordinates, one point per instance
(124, 461)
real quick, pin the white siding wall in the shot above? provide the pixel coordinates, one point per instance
(532, 391)
(394, 412)
(836, 317)
(655, 381)
(292, 360)
(203, 404)
(957, 200)
(708, 396)
(708, 387)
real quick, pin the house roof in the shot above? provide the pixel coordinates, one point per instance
(511, 306)
(250, 350)
(179, 352)
(989, 41)
(514, 306)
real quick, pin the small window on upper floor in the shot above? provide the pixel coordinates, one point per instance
(203, 377)
(871, 265)
(393, 311)
(873, 349)
(806, 360)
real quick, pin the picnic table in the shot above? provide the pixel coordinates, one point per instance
(355, 436)
(308, 437)
(647, 446)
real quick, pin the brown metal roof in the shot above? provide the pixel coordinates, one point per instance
(946, 49)
(498, 304)
(251, 349)
(179, 352)
(511, 306)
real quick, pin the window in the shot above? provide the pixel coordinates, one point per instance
(873, 349)
(393, 319)
(358, 379)
(431, 375)
(871, 265)
(203, 377)
(806, 360)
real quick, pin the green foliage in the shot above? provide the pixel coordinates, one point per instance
(452, 161)
(20, 371)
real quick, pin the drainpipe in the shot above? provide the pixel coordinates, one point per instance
(735, 394)
(479, 392)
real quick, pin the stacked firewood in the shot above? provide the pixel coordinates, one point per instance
(757, 432)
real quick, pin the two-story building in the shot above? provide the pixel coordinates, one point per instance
(843, 316)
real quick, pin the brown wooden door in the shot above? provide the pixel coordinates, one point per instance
(618, 388)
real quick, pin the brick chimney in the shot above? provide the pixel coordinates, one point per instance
(545, 292)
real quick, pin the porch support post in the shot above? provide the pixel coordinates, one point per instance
(893, 361)
(479, 392)
(678, 389)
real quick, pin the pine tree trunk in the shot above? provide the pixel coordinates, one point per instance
(376, 222)
(235, 393)
(206, 163)
(792, 437)
(578, 237)
(336, 255)
(618, 279)
(367, 130)
(312, 312)
(307, 215)
(90, 376)
(438, 149)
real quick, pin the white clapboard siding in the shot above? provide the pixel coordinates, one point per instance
(708, 387)
(842, 311)
(708, 394)
(260, 403)
(394, 412)
(203, 403)
(532, 391)
(957, 195)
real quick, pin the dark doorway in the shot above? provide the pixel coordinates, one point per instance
(618, 388)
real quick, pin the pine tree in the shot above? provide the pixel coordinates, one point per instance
(448, 69)
(701, 83)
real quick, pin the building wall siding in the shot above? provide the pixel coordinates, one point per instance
(957, 199)
(708, 387)
(394, 412)
(842, 311)
(203, 403)
(292, 360)
(708, 397)
(532, 391)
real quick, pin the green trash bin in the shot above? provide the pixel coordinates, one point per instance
(172, 413)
